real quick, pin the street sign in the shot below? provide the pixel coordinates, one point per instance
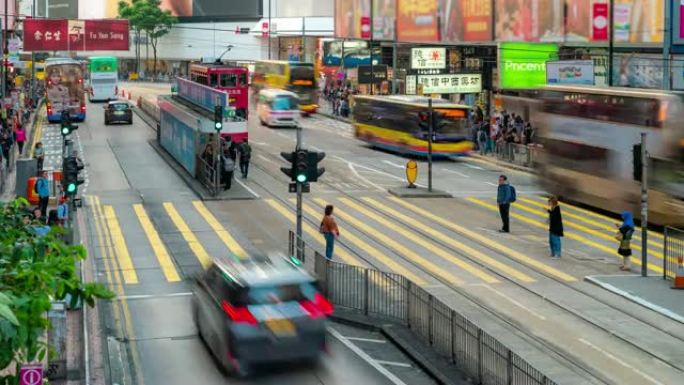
(292, 187)
(31, 375)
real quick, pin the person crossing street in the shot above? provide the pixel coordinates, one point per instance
(505, 195)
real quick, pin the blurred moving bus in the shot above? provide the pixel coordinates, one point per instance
(64, 89)
(231, 79)
(393, 123)
(589, 136)
(296, 77)
(103, 78)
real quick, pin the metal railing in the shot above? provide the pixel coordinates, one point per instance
(520, 154)
(206, 174)
(673, 248)
(393, 297)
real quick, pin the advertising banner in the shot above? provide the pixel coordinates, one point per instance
(379, 74)
(214, 8)
(428, 58)
(177, 133)
(677, 22)
(638, 70)
(417, 20)
(529, 20)
(639, 21)
(410, 84)
(599, 22)
(65, 86)
(75, 35)
(465, 20)
(348, 17)
(384, 13)
(523, 65)
(201, 95)
(570, 72)
(678, 73)
(451, 83)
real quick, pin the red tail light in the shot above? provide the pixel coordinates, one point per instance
(49, 82)
(319, 307)
(83, 107)
(238, 314)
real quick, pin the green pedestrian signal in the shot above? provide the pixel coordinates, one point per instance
(218, 118)
(71, 188)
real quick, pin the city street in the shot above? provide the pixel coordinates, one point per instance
(149, 234)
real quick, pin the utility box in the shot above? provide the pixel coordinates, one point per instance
(26, 168)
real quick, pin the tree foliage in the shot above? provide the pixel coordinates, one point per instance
(34, 271)
(147, 16)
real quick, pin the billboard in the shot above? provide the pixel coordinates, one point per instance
(198, 9)
(638, 21)
(677, 22)
(75, 35)
(523, 65)
(529, 20)
(570, 72)
(349, 15)
(384, 13)
(637, 70)
(417, 20)
(587, 20)
(465, 20)
(451, 83)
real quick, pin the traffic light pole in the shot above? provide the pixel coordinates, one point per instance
(430, 133)
(299, 200)
(644, 206)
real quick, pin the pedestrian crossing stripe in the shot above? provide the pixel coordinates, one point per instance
(157, 245)
(189, 236)
(122, 255)
(518, 256)
(222, 233)
(570, 235)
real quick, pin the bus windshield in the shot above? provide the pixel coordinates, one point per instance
(302, 76)
(103, 65)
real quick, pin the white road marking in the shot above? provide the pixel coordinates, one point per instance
(259, 143)
(511, 300)
(363, 178)
(148, 296)
(266, 159)
(492, 184)
(364, 356)
(619, 361)
(247, 188)
(367, 340)
(393, 363)
(472, 166)
(394, 164)
(456, 172)
(376, 171)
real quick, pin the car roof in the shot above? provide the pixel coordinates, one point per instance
(274, 92)
(263, 271)
(119, 102)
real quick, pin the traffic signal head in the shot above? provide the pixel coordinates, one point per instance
(70, 169)
(423, 120)
(218, 118)
(289, 171)
(301, 166)
(438, 120)
(313, 172)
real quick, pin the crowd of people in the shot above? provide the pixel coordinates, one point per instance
(493, 135)
(230, 153)
(339, 95)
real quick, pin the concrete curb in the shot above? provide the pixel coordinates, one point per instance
(424, 356)
(335, 117)
(502, 164)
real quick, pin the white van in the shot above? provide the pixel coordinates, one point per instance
(278, 108)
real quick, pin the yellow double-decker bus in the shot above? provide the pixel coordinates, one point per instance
(296, 77)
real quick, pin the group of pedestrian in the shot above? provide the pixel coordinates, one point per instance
(12, 131)
(495, 134)
(338, 95)
(55, 217)
(230, 154)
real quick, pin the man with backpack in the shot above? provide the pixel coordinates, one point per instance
(505, 195)
(245, 151)
(42, 188)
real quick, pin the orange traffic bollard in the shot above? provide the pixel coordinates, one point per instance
(129, 95)
(678, 280)
(31, 194)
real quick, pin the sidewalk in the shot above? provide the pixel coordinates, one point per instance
(653, 293)
(325, 109)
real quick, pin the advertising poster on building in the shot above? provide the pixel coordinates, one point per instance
(677, 22)
(678, 73)
(417, 20)
(638, 21)
(465, 20)
(638, 70)
(523, 65)
(570, 72)
(451, 83)
(529, 20)
(348, 17)
(384, 13)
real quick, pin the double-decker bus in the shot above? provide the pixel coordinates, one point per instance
(393, 123)
(231, 79)
(64, 89)
(296, 77)
(102, 83)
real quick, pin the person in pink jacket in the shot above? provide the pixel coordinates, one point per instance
(20, 137)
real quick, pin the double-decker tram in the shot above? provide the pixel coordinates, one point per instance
(230, 79)
(64, 89)
(590, 137)
(394, 123)
(296, 77)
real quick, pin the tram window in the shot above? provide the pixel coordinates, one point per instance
(228, 80)
(213, 80)
(617, 109)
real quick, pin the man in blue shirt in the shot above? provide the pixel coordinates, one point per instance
(63, 211)
(504, 197)
(43, 190)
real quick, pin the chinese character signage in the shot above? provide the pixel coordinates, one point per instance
(428, 58)
(410, 84)
(75, 35)
(417, 20)
(451, 83)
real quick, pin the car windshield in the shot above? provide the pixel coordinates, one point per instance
(118, 106)
(284, 103)
(272, 294)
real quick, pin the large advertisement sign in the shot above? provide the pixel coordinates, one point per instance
(428, 58)
(465, 20)
(349, 17)
(638, 70)
(212, 8)
(75, 35)
(529, 20)
(177, 133)
(523, 65)
(384, 13)
(570, 72)
(417, 20)
(451, 83)
(201, 95)
(677, 22)
(638, 21)
(586, 20)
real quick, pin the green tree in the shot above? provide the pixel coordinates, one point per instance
(156, 23)
(34, 271)
(133, 12)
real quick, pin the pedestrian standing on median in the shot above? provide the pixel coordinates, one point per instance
(227, 168)
(39, 155)
(505, 195)
(20, 135)
(329, 230)
(245, 156)
(624, 236)
(555, 227)
(42, 188)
